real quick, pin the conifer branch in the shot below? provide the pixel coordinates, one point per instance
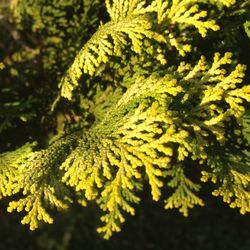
(139, 120)
(183, 197)
(110, 40)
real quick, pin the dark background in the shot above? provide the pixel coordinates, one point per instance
(214, 226)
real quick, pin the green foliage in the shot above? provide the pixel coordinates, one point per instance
(17, 110)
(10, 162)
(30, 173)
(98, 49)
(232, 178)
(134, 119)
(183, 197)
(247, 28)
(52, 22)
(133, 20)
(220, 3)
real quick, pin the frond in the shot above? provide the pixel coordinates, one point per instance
(38, 180)
(215, 86)
(110, 40)
(184, 12)
(183, 196)
(118, 196)
(134, 135)
(176, 17)
(191, 16)
(120, 9)
(145, 130)
(9, 169)
(230, 173)
(131, 25)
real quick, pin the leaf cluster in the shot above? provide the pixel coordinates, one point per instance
(139, 112)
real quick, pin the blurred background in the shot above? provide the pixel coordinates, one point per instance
(214, 226)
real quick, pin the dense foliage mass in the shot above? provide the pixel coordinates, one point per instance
(113, 97)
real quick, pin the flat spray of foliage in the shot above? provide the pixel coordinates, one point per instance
(154, 120)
